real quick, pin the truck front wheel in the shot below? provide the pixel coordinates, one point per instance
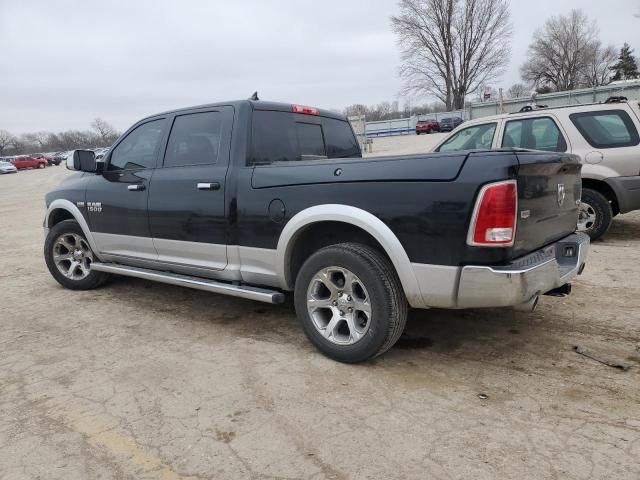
(595, 215)
(350, 302)
(69, 257)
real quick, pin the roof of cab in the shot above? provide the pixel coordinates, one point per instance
(255, 105)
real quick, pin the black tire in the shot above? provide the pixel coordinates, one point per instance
(388, 303)
(603, 213)
(91, 281)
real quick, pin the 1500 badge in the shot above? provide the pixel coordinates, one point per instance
(94, 206)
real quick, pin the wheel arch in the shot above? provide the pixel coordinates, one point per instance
(603, 187)
(58, 215)
(60, 210)
(351, 218)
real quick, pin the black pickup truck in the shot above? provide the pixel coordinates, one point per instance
(253, 199)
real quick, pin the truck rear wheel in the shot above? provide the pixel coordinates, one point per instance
(350, 302)
(69, 257)
(596, 214)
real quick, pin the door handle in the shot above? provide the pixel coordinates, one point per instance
(136, 188)
(209, 186)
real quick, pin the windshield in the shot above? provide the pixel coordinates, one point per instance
(4, 164)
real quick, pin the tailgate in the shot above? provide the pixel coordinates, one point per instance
(549, 191)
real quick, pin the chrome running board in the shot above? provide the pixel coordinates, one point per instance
(242, 291)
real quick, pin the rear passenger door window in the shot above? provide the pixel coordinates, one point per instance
(534, 133)
(606, 128)
(194, 140)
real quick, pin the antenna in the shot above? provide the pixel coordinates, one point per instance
(254, 97)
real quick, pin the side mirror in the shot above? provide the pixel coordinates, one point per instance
(82, 160)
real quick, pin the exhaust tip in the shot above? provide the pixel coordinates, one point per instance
(529, 306)
(562, 291)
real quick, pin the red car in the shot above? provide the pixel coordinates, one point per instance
(27, 161)
(46, 158)
(427, 126)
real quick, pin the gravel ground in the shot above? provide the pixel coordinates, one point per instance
(143, 380)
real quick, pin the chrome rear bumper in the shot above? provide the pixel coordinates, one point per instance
(507, 285)
(525, 278)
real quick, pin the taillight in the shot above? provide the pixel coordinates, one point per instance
(494, 217)
(304, 110)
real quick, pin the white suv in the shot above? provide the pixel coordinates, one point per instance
(604, 135)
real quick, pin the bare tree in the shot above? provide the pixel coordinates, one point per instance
(451, 47)
(54, 142)
(561, 52)
(357, 109)
(518, 90)
(105, 131)
(6, 140)
(391, 111)
(39, 140)
(598, 69)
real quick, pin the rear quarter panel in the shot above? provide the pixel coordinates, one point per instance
(429, 217)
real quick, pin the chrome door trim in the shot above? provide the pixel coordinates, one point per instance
(126, 245)
(256, 266)
(197, 254)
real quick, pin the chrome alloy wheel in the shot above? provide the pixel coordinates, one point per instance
(339, 305)
(72, 256)
(586, 217)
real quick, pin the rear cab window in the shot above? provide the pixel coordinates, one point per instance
(606, 128)
(310, 141)
(475, 137)
(279, 136)
(539, 133)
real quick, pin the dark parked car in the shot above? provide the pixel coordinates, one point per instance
(427, 126)
(44, 156)
(60, 157)
(448, 124)
(254, 199)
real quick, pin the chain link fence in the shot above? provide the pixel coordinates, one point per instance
(405, 126)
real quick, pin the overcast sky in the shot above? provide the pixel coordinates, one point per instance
(63, 63)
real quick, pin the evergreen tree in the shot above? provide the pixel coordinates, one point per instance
(626, 68)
